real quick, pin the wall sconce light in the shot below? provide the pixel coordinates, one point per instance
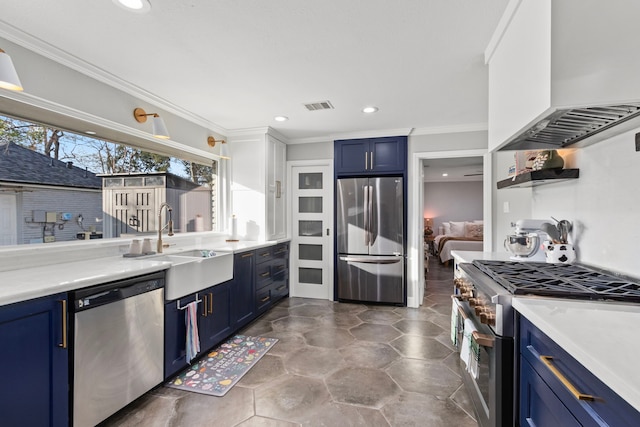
(8, 75)
(224, 152)
(158, 128)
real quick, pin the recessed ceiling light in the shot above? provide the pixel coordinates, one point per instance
(138, 6)
(90, 132)
(281, 118)
(369, 110)
(445, 174)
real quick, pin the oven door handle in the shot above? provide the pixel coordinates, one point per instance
(482, 339)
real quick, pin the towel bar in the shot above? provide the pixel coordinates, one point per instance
(185, 307)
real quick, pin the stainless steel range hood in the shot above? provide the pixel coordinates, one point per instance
(569, 126)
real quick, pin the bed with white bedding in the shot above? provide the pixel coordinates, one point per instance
(458, 236)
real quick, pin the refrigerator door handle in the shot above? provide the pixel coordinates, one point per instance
(365, 207)
(371, 260)
(370, 229)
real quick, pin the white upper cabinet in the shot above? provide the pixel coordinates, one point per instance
(551, 55)
(258, 189)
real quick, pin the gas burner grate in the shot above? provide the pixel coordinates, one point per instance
(560, 280)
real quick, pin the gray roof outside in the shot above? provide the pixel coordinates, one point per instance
(21, 165)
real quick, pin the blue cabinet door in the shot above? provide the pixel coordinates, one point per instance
(351, 156)
(243, 302)
(215, 315)
(34, 363)
(175, 335)
(370, 156)
(388, 154)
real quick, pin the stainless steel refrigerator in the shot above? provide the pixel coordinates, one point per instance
(370, 239)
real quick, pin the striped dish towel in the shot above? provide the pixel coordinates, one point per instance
(193, 338)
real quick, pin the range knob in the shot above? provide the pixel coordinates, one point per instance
(481, 309)
(466, 295)
(488, 318)
(466, 288)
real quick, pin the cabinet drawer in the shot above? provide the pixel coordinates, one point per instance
(263, 275)
(281, 250)
(539, 406)
(280, 285)
(264, 255)
(560, 371)
(263, 299)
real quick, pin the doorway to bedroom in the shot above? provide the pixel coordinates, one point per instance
(452, 207)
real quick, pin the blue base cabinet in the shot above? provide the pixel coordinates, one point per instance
(34, 363)
(545, 399)
(214, 325)
(215, 315)
(371, 156)
(243, 292)
(260, 278)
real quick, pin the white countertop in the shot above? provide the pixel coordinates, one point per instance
(38, 281)
(469, 256)
(602, 336)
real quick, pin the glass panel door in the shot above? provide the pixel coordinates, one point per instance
(311, 246)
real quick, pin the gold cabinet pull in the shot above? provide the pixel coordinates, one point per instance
(265, 274)
(548, 361)
(246, 255)
(366, 160)
(210, 303)
(265, 299)
(371, 161)
(63, 344)
(204, 306)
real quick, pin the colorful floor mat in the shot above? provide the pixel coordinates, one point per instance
(223, 367)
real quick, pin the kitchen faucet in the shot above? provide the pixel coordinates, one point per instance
(162, 227)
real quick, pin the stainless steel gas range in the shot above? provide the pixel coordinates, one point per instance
(483, 292)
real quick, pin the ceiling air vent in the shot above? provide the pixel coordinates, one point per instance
(322, 105)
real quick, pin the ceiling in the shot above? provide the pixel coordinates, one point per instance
(235, 64)
(456, 169)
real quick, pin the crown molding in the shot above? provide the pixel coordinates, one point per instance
(353, 135)
(471, 127)
(72, 62)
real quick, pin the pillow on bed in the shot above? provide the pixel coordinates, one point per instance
(446, 227)
(457, 229)
(473, 230)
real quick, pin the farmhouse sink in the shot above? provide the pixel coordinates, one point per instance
(195, 270)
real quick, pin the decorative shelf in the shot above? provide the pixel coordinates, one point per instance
(539, 177)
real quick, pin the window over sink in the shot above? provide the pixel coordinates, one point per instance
(60, 185)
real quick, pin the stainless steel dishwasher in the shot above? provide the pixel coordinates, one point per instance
(117, 345)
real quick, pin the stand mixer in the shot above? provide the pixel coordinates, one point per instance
(527, 241)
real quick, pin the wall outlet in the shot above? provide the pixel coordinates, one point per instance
(49, 239)
(506, 207)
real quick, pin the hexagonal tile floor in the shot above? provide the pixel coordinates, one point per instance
(335, 365)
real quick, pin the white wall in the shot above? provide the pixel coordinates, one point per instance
(452, 201)
(98, 103)
(518, 201)
(603, 204)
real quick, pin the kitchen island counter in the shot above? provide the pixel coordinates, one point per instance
(599, 335)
